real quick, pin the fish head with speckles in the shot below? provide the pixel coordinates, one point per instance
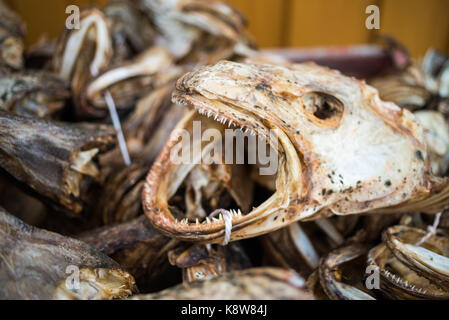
(341, 149)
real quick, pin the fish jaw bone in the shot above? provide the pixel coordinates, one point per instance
(351, 151)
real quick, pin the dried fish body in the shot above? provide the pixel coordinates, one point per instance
(55, 159)
(20, 204)
(301, 245)
(12, 33)
(148, 147)
(120, 198)
(137, 246)
(140, 126)
(37, 264)
(324, 123)
(332, 274)
(250, 284)
(32, 93)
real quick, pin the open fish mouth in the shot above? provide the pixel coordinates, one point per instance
(160, 188)
(283, 177)
(312, 111)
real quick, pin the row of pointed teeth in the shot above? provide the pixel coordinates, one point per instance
(235, 213)
(223, 120)
(399, 281)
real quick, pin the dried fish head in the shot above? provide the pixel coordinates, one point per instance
(429, 259)
(405, 88)
(126, 82)
(83, 53)
(189, 26)
(435, 68)
(341, 149)
(398, 281)
(12, 33)
(37, 264)
(436, 133)
(423, 84)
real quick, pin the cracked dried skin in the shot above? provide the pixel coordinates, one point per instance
(55, 159)
(250, 284)
(12, 33)
(33, 265)
(341, 149)
(32, 93)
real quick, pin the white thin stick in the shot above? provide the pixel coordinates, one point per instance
(117, 126)
(227, 217)
(432, 230)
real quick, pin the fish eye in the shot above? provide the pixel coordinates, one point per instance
(324, 107)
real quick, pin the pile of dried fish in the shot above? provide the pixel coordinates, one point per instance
(94, 206)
